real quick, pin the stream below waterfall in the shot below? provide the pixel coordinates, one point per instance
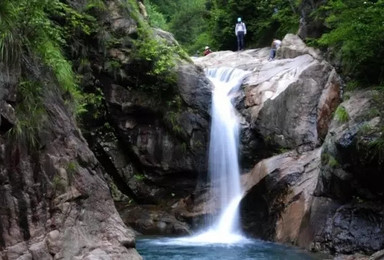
(175, 249)
(222, 236)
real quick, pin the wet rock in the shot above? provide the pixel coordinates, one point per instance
(355, 228)
(352, 257)
(161, 146)
(152, 220)
(278, 197)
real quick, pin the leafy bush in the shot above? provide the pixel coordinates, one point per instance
(154, 60)
(187, 20)
(356, 36)
(156, 19)
(28, 31)
(31, 114)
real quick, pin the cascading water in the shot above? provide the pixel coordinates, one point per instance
(223, 238)
(223, 159)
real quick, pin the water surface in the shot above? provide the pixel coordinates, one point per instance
(179, 249)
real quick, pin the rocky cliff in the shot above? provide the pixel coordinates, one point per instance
(316, 169)
(55, 203)
(312, 168)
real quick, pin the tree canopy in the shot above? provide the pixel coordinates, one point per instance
(197, 23)
(356, 36)
(354, 28)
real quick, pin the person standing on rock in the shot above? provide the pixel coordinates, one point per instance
(240, 31)
(274, 46)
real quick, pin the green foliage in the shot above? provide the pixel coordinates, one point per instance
(30, 115)
(158, 53)
(156, 18)
(155, 59)
(329, 160)
(341, 114)
(190, 21)
(333, 163)
(172, 118)
(265, 20)
(10, 41)
(27, 30)
(71, 171)
(197, 23)
(139, 177)
(187, 20)
(58, 184)
(370, 144)
(352, 85)
(324, 158)
(365, 129)
(376, 149)
(96, 5)
(94, 102)
(356, 36)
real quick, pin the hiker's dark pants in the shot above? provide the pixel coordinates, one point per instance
(240, 40)
(272, 54)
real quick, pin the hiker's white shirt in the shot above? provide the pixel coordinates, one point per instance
(240, 27)
(276, 44)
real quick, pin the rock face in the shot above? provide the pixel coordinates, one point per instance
(55, 203)
(158, 155)
(322, 191)
(279, 194)
(286, 103)
(153, 145)
(351, 171)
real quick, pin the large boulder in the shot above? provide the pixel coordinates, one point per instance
(352, 160)
(162, 145)
(286, 103)
(351, 175)
(152, 220)
(278, 197)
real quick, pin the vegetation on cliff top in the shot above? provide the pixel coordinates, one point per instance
(198, 23)
(28, 38)
(356, 36)
(62, 37)
(354, 29)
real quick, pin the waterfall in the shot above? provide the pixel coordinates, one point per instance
(223, 159)
(223, 148)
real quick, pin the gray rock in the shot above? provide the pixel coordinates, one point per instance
(285, 103)
(57, 187)
(278, 197)
(310, 27)
(150, 220)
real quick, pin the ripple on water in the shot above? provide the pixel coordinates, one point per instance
(247, 249)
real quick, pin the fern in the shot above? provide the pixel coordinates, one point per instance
(31, 115)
